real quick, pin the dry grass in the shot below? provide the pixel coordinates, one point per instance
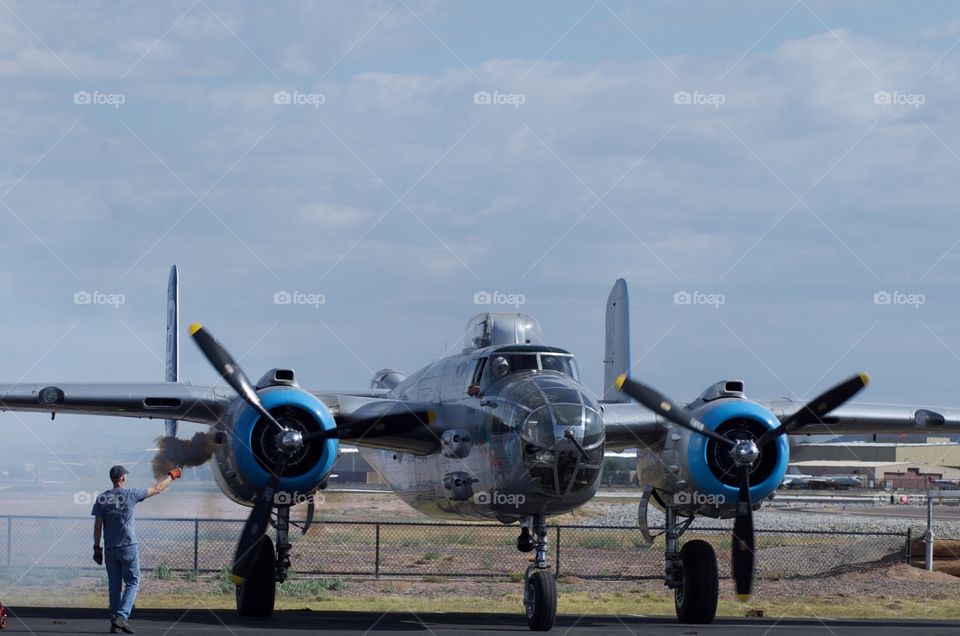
(894, 592)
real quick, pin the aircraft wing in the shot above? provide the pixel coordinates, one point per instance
(364, 420)
(160, 400)
(865, 419)
(629, 425)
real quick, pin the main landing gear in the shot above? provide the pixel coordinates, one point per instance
(691, 572)
(539, 586)
(256, 595)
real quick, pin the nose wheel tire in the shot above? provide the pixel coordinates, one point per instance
(541, 600)
(256, 595)
(696, 598)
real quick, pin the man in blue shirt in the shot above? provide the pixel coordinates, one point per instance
(114, 512)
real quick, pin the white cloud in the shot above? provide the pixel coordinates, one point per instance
(493, 202)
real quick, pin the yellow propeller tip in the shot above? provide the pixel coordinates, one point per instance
(743, 598)
(236, 579)
(620, 380)
(195, 327)
(865, 378)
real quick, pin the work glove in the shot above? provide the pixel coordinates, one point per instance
(98, 555)
(176, 473)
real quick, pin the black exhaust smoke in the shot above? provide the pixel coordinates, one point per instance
(174, 451)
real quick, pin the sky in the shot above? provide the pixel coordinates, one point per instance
(776, 181)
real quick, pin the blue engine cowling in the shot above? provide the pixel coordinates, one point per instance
(696, 475)
(247, 447)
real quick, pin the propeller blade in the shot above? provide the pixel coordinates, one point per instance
(743, 544)
(663, 406)
(256, 526)
(229, 370)
(321, 435)
(379, 419)
(817, 408)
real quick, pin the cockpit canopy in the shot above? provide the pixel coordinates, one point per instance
(509, 360)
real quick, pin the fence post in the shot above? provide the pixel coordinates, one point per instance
(909, 546)
(9, 538)
(196, 545)
(928, 535)
(558, 552)
(376, 563)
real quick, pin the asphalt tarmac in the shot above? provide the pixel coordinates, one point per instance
(199, 622)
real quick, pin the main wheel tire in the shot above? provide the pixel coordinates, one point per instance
(542, 595)
(696, 598)
(256, 595)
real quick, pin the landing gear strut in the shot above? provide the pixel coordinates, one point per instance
(256, 595)
(691, 572)
(539, 587)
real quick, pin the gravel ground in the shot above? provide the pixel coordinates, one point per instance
(782, 516)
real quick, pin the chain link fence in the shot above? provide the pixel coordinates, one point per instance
(421, 549)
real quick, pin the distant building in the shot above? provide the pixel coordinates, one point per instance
(881, 464)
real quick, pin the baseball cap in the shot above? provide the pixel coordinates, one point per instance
(117, 472)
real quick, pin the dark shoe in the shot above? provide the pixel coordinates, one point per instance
(114, 629)
(123, 625)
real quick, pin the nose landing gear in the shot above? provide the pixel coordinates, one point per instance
(539, 587)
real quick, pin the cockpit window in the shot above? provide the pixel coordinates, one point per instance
(502, 364)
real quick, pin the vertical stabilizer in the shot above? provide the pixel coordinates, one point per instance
(172, 357)
(616, 352)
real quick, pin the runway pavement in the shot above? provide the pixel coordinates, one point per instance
(199, 622)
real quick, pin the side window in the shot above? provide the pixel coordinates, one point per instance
(478, 371)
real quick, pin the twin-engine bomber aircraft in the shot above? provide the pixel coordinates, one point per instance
(467, 435)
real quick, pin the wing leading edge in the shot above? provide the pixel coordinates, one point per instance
(160, 400)
(866, 419)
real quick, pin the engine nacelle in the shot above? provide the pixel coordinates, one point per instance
(247, 448)
(696, 475)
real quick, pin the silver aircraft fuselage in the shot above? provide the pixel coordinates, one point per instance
(527, 442)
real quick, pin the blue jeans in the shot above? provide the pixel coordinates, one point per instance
(123, 566)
